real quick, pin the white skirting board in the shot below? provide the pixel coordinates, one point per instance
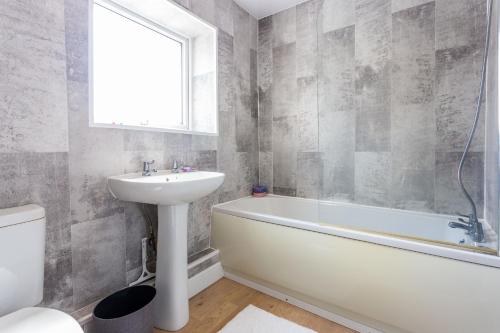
(303, 305)
(205, 279)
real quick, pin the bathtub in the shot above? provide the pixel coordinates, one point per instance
(373, 269)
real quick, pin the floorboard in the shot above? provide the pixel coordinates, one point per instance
(214, 307)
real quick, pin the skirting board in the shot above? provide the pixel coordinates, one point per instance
(303, 305)
(205, 279)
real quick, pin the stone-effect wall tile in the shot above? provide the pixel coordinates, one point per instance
(245, 103)
(337, 143)
(223, 15)
(77, 54)
(285, 152)
(307, 38)
(373, 55)
(309, 174)
(448, 196)
(265, 82)
(413, 124)
(307, 114)
(204, 9)
(372, 178)
(460, 23)
(266, 169)
(33, 104)
(284, 87)
(336, 14)
(284, 27)
(95, 153)
(99, 258)
(225, 72)
(337, 113)
(398, 5)
(457, 82)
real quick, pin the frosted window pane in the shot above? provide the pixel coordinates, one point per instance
(137, 73)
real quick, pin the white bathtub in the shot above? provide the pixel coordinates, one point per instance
(375, 266)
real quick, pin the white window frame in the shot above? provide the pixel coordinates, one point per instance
(185, 42)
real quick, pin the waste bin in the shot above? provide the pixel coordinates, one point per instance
(127, 311)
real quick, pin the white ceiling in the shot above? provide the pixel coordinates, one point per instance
(263, 8)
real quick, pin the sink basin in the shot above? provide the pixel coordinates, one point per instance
(172, 192)
(165, 187)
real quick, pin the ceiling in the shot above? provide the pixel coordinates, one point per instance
(263, 8)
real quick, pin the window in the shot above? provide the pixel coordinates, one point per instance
(139, 72)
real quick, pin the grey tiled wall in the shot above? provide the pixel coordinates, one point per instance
(50, 156)
(370, 101)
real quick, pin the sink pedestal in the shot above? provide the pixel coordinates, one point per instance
(171, 305)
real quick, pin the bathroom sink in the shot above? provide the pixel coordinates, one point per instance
(165, 187)
(172, 192)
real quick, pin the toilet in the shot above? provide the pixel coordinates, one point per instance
(22, 255)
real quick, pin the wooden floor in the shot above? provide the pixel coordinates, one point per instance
(211, 309)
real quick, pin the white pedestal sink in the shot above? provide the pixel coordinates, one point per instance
(172, 192)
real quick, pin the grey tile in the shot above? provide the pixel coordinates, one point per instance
(306, 38)
(199, 223)
(203, 142)
(136, 228)
(372, 178)
(143, 141)
(33, 101)
(413, 54)
(284, 27)
(203, 160)
(373, 131)
(265, 53)
(413, 124)
(336, 70)
(225, 74)
(372, 81)
(337, 144)
(309, 174)
(448, 196)
(254, 33)
(285, 152)
(265, 78)
(254, 90)
(284, 88)
(205, 9)
(412, 182)
(289, 192)
(223, 15)
(266, 169)
(460, 23)
(307, 114)
(336, 14)
(398, 5)
(457, 82)
(58, 283)
(202, 102)
(76, 18)
(265, 128)
(99, 258)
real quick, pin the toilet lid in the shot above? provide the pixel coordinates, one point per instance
(39, 320)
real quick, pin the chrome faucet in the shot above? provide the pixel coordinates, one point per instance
(146, 168)
(176, 167)
(473, 227)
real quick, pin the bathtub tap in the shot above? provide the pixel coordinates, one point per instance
(473, 227)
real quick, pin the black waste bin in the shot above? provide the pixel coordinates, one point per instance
(127, 311)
